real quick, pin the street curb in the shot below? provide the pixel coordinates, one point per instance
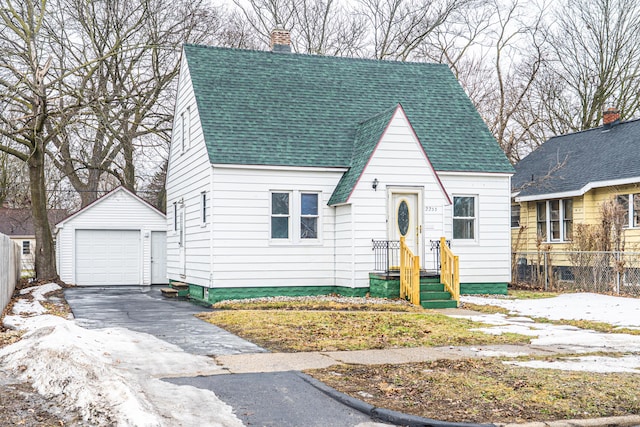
(382, 414)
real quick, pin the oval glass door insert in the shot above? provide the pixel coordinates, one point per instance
(403, 218)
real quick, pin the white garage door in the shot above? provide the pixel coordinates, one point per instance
(108, 257)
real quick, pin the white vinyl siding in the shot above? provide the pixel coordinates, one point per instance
(344, 246)
(188, 176)
(245, 254)
(487, 259)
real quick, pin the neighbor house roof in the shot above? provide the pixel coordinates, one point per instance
(268, 108)
(570, 165)
(19, 222)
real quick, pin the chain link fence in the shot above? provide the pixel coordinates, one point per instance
(601, 272)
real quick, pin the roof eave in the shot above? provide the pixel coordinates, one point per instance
(579, 192)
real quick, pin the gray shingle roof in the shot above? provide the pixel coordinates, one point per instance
(578, 159)
(19, 222)
(270, 108)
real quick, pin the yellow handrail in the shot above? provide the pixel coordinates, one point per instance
(409, 274)
(449, 271)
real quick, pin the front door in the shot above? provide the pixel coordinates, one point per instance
(405, 219)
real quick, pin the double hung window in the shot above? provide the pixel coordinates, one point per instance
(515, 215)
(309, 216)
(554, 220)
(295, 215)
(630, 204)
(464, 217)
(280, 215)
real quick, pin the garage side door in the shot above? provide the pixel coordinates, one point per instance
(107, 257)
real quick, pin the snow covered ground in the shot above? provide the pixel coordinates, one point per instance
(110, 376)
(619, 311)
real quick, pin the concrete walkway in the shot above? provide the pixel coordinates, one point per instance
(282, 362)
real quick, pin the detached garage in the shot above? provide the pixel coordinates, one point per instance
(117, 240)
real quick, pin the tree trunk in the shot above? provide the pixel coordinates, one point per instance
(45, 259)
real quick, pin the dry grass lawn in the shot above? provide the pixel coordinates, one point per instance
(486, 390)
(317, 330)
(470, 390)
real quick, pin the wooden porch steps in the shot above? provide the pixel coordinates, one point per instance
(169, 292)
(175, 290)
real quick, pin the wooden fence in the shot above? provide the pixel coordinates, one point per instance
(9, 269)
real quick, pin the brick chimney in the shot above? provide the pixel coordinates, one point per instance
(611, 116)
(280, 40)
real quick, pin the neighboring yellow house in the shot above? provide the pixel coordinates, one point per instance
(566, 180)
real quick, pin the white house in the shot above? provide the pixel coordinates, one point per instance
(284, 167)
(117, 240)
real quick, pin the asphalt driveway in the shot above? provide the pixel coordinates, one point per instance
(144, 309)
(280, 399)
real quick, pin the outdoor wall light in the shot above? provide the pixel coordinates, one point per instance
(374, 185)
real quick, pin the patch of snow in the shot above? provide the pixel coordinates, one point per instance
(623, 312)
(24, 307)
(39, 292)
(601, 364)
(495, 353)
(110, 376)
(619, 311)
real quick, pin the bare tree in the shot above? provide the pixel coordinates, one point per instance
(596, 63)
(399, 27)
(133, 48)
(14, 186)
(29, 119)
(323, 27)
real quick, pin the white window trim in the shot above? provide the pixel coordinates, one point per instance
(519, 215)
(631, 213)
(187, 133)
(272, 215)
(204, 209)
(295, 216)
(182, 133)
(185, 130)
(561, 218)
(476, 218)
(316, 216)
(175, 217)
